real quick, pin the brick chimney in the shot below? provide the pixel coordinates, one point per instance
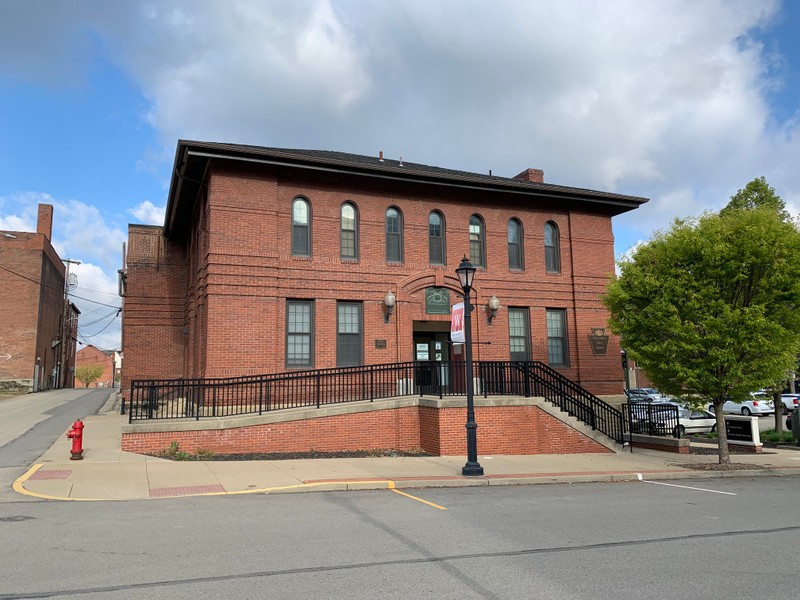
(532, 175)
(44, 224)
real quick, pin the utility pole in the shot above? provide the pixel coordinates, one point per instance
(65, 327)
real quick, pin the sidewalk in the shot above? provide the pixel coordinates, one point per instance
(107, 473)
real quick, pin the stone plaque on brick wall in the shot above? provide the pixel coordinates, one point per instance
(599, 341)
(437, 301)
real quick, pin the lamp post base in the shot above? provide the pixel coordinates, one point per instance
(473, 469)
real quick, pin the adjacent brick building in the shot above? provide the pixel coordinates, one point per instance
(39, 329)
(273, 259)
(90, 355)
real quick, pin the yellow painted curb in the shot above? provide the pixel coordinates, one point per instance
(19, 487)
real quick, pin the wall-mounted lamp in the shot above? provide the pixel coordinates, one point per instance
(491, 307)
(389, 300)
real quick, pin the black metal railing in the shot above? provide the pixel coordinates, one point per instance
(257, 394)
(650, 418)
(544, 381)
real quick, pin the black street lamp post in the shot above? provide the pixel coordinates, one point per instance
(466, 273)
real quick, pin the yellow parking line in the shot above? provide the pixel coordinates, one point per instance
(419, 499)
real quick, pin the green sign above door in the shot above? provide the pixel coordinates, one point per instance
(437, 301)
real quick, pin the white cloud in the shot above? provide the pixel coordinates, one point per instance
(19, 212)
(96, 296)
(148, 214)
(81, 233)
(668, 99)
(641, 98)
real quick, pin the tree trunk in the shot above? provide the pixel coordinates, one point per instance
(722, 434)
(778, 402)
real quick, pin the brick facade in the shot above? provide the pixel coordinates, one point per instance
(207, 293)
(32, 311)
(435, 427)
(89, 355)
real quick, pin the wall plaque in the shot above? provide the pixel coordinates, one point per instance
(380, 344)
(437, 301)
(599, 341)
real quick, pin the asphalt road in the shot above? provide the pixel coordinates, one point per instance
(30, 424)
(711, 539)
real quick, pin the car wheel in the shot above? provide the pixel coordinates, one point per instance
(679, 431)
(745, 411)
(714, 428)
(785, 410)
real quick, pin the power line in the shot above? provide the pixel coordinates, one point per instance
(103, 318)
(92, 301)
(103, 329)
(59, 290)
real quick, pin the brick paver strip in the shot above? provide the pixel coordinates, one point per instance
(52, 474)
(186, 490)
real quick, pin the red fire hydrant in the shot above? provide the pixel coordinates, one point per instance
(76, 434)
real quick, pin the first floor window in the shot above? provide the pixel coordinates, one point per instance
(518, 334)
(299, 333)
(349, 338)
(557, 337)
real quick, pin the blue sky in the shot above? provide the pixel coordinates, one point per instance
(680, 101)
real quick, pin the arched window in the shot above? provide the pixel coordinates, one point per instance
(394, 235)
(301, 227)
(515, 255)
(436, 252)
(348, 232)
(477, 241)
(552, 252)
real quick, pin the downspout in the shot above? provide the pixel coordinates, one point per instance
(574, 298)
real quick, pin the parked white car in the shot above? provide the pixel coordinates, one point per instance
(696, 421)
(757, 404)
(790, 402)
(690, 420)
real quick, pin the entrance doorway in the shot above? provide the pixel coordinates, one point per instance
(432, 345)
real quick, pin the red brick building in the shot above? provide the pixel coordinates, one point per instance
(90, 355)
(39, 328)
(271, 260)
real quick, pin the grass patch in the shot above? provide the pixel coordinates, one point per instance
(775, 438)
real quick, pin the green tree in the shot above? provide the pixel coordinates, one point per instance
(710, 307)
(88, 374)
(758, 194)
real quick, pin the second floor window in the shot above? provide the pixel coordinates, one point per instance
(552, 251)
(348, 233)
(301, 227)
(515, 245)
(394, 235)
(436, 239)
(477, 241)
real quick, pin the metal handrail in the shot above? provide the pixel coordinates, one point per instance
(256, 394)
